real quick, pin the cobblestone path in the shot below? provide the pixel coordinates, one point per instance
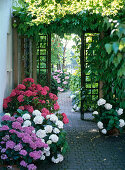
(88, 150)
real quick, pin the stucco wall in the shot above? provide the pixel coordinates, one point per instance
(5, 50)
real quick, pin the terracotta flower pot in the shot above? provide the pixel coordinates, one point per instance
(113, 132)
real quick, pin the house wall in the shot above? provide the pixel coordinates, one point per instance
(5, 50)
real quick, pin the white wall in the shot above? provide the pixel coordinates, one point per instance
(5, 50)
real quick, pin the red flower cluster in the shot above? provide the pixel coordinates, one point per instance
(29, 96)
(65, 118)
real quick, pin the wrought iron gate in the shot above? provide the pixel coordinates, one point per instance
(89, 84)
(44, 58)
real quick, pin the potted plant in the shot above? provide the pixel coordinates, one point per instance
(108, 118)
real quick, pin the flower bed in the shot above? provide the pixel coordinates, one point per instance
(38, 118)
(108, 118)
(62, 79)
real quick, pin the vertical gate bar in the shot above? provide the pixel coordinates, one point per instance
(34, 62)
(82, 62)
(39, 56)
(100, 82)
(22, 59)
(30, 57)
(46, 57)
(49, 59)
(15, 57)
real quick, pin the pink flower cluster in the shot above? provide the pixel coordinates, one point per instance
(19, 140)
(65, 118)
(29, 96)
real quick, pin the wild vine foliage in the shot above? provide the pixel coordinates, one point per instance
(32, 17)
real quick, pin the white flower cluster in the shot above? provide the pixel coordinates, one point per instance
(104, 131)
(100, 125)
(108, 106)
(58, 159)
(101, 101)
(36, 113)
(38, 119)
(95, 113)
(46, 152)
(122, 123)
(26, 123)
(119, 111)
(26, 116)
(41, 133)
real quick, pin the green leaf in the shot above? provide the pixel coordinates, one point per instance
(115, 47)
(108, 48)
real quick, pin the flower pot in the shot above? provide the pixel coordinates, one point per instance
(113, 132)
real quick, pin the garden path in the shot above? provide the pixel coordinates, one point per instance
(88, 150)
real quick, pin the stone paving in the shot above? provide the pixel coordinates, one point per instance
(88, 150)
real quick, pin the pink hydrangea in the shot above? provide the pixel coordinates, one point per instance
(44, 110)
(31, 167)
(20, 98)
(65, 119)
(39, 87)
(53, 96)
(23, 163)
(20, 119)
(21, 87)
(28, 93)
(12, 131)
(23, 152)
(42, 101)
(43, 92)
(6, 118)
(28, 80)
(65, 82)
(21, 107)
(46, 88)
(29, 108)
(16, 125)
(13, 93)
(4, 127)
(56, 106)
(10, 144)
(35, 154)
(67, 77)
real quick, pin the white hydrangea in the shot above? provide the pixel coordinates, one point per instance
(53, 118)
(119, 111)
(122, 123)
(72, 96)
(60, 157)
(36, 113)
(56, 130)
(55, 160)
(95, 113)
(7, 114)
(26, 116)
(26, 123)
(78, 109)
(101, 101)
(104, 131)
(49, 142)
(48, 153)
(41, 133)
(100, 125)
(59, 124)
(75, 106)
(54, 138)
(48, 128)
(38, 119)
(42, 157)
(48, 116)
(47, 149)
(108, 106)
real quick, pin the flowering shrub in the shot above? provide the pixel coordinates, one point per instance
(108, 118)
(50, 130)
(18, 144)
(62, 79)
(29, 96)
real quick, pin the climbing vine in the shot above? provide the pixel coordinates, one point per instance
(64, 16)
